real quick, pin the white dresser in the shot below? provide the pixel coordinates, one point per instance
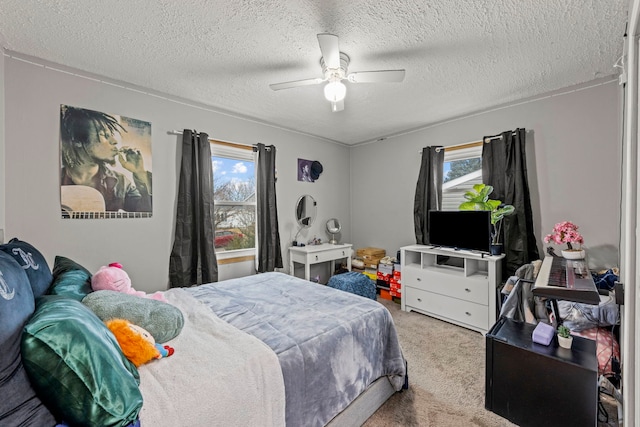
(452, 285)
(315, 254)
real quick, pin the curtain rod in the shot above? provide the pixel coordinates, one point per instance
(457, 147)
(227, 143)
(486, 140)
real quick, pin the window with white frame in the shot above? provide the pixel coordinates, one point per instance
(234, 193)
(462, 170)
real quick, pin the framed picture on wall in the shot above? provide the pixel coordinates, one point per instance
(309, 170)
(105, 165)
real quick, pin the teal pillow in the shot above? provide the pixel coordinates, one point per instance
(76, 366)
(70, 279)
(32, 262)
(163, 321)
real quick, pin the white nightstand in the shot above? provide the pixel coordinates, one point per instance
(315, 254)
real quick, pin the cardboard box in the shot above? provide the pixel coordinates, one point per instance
(383, 276)
(384, 294)
(382, 284)
(371, 276)
(385, 268)
(371, 263)
(369, 252)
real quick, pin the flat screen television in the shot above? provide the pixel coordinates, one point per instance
(469, 230)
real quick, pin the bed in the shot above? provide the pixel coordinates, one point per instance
(268, 349)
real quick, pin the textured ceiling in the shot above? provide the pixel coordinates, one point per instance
(460, 56)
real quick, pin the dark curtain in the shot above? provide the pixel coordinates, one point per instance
(428, 191)
(193, 257)
(269, 253)
(504, 166)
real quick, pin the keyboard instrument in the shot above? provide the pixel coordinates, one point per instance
(568, 280)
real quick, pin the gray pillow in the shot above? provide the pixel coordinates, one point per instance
(163, 321)
(32, 262)
(19, 404)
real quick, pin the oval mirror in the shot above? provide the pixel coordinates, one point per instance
(306, 210)
(333, 228)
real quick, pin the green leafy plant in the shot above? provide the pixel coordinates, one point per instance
(563, 331)
(478, 200)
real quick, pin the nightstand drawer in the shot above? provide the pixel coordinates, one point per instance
(446, 307)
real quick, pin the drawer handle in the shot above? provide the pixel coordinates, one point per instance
(316, 257)
(467, 313)
(419, 299)
(419, 279)
(342, 252)
(467, 289)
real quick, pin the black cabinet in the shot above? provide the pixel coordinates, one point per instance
(533, 385)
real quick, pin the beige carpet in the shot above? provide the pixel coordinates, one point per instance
(446, 376)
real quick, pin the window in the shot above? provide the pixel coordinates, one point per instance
(462, 170)
(234, 193)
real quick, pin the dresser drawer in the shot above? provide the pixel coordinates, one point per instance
(446, 307)
(473, 288)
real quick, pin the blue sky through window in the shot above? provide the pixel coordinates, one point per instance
(225, 169)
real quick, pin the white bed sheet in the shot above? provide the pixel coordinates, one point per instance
(218, 376)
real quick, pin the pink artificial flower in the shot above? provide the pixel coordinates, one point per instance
(565, 232)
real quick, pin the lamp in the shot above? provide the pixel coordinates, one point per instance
(335, 91)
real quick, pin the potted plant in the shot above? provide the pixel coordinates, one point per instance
(567, 232)
(478, 200)
(564, 337)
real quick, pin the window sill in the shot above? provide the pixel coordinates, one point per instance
(237, 255)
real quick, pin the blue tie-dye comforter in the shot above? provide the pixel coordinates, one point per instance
(331, 344)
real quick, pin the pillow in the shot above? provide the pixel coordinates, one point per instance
(19, 404)
(33, 262)
(163, 321)
(70, 279)
(76, 366)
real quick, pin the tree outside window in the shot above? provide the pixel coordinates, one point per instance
(234, 191)
(458, 168)
(462, 169)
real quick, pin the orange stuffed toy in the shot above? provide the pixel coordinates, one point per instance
(137, 344)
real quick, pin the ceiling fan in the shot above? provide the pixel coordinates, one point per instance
(334, 69)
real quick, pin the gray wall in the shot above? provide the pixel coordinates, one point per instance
(573, 157)
(33, 94)
(2, 132)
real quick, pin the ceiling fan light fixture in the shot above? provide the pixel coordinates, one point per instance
(335, 91)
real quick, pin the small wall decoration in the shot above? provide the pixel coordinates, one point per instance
(105, 165)
(309, 170)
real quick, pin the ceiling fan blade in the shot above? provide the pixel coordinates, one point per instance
(330, 49)
(296, 83)
(383, 76)
(337, 106)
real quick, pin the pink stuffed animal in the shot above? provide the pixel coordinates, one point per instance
(114, 278)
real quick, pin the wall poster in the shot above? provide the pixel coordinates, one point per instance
(304, 170)
(105, 165)
(309, 170)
